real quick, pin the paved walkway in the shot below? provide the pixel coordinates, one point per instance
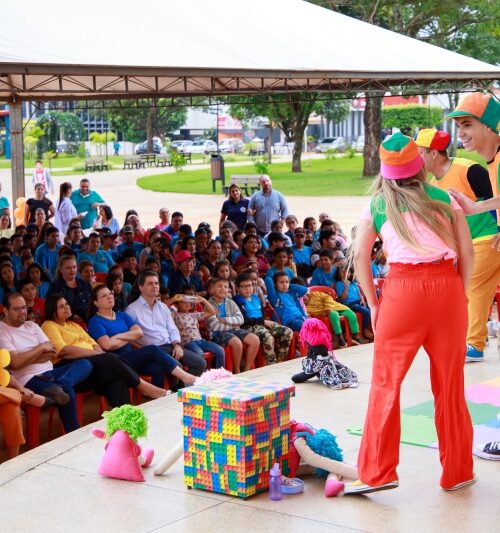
(56, 488)
(120, 190)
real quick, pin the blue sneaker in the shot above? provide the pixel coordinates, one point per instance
(473, 355)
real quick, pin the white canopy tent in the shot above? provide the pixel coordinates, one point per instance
(149, 49)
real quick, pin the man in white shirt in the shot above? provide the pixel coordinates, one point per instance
(157, 324)
(31, 353)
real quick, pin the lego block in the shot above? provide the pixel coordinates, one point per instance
(234, 431)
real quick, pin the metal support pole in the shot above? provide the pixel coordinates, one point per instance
(17, 150)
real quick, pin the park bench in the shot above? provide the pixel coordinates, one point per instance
(248, 183)
(149, 159)
(188, 157)
(257, 151)
(132, 161)
(162, 160)
(95, 163)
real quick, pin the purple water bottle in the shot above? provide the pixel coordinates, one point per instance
(275, 492)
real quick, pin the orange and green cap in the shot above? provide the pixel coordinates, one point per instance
(483, 107)
(433, 139)
(399, 158)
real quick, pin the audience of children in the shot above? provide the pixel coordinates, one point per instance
(234, 290)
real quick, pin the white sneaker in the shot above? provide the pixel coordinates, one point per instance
(490, 451)
(493, 326)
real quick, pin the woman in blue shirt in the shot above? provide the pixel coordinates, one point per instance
(117, 331)
(235, 208)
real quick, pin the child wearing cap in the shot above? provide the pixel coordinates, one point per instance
(471, 179)
(275, 339)
(185, 275)
(423, 305)
(302, 254)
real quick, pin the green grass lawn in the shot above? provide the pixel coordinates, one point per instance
(319, 177)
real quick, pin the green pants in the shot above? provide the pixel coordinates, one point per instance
(351, 317)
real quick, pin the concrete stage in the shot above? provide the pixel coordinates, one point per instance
(56, 486)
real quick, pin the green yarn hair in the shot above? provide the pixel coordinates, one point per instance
(128, 418)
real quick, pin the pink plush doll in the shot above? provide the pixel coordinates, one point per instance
(122, 457)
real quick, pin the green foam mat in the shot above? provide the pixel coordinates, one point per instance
(481, 413)
(415, 429)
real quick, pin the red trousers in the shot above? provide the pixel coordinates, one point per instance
(421, 305)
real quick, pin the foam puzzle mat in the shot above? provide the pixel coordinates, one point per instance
(483, 401)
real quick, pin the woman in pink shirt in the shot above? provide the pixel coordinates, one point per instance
(423, 304)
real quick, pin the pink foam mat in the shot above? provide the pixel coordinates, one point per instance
(482, 435)
(483, 394)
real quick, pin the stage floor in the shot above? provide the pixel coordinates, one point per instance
(56, 486)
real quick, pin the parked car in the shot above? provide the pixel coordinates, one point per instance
(330, 143)
(231, 146)
(180, 146)
(158, 147)
(201, 146)
(359, 143)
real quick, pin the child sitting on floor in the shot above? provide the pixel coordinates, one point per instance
(284, 297)
(275, 338)
(225, 326)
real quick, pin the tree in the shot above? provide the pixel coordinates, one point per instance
(145, 120)
(57, 125)
(290, 113)
(469, 28)
(32, 134)
(409, 117)
(100, 139)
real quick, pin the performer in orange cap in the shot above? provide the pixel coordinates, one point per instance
(472, 179)
(429, 250)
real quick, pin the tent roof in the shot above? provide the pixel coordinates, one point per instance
(125, 48)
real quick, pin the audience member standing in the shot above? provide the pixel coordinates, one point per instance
(65, 210)
(266, 205)
(86, 202)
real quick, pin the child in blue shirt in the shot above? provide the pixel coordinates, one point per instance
(302, 254)
(275, 339)
(284, 297)
(280, 259)
(324, 275)
(349, 293)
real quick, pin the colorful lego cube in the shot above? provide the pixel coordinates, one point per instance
(234, 431)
